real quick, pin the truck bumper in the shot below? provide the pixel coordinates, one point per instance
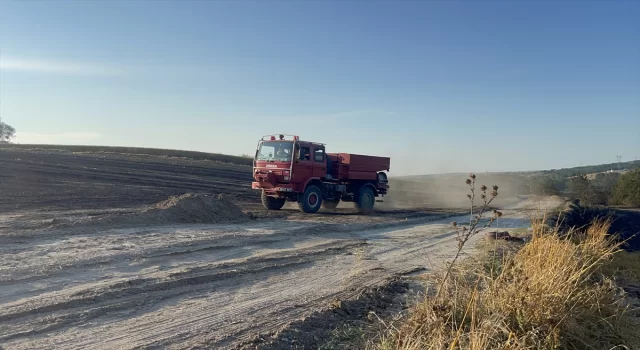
(286, 188)
(382, 188)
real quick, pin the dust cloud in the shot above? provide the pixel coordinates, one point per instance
(449, 190)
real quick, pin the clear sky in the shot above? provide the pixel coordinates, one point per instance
(439, 86)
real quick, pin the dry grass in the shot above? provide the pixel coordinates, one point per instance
(551, 294)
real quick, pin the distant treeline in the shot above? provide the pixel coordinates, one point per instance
(605, 188)
(589, 169)
(216, 157)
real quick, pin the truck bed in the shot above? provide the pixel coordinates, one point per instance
(348, 166)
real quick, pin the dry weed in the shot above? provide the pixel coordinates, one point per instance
(548, 295)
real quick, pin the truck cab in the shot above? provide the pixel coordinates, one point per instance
(288, 169)
(310, 161)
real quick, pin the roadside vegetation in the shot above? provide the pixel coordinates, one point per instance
(560, 290)
(589, 169)
(602, 189)
(626, 191)
(551, 294)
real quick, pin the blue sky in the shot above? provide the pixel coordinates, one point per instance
(440, 86)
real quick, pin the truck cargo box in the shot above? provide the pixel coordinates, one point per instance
(347, 166)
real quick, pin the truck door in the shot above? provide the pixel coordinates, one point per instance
(319, 162)
(303, 165)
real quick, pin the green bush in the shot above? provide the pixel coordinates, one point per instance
(627, 189)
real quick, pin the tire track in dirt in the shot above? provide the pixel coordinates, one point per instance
(70, 306)
(202, 286)
(83, 306)
(91, 299)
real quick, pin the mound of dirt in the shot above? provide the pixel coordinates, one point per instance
(193, 208)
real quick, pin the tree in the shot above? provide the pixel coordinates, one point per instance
(605, 183)
(627, 190)
(7, 132)
(546, 186)
(582, 189)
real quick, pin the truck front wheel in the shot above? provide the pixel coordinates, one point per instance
(272, 203)
(311, 200)
(366, 199)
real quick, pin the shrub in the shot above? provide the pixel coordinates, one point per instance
(605, 182)
(545, 186)
(578, 216)
(627, 189)
(584, 191)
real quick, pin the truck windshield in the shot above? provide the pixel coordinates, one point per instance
(275, 151)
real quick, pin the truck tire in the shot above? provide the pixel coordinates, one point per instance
(366, 199)
(311, 200)
(272, 203)
(330, 204)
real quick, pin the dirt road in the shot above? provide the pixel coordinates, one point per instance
(85, 264)
(211, 286)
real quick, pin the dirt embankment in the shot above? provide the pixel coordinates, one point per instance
(189, 208)
(49, 181)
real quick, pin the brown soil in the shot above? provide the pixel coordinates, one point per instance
(60, 180)
(193, 208)
(344, 324)
(94, 255)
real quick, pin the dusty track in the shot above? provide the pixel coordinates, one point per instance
(70, 280)
(213, 286)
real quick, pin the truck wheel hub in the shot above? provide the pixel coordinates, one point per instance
(313, 199)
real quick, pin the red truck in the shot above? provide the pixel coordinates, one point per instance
(288, 169)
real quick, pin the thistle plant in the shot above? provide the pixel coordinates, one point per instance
(465, 232)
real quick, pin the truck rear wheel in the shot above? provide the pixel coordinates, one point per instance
(330, 204)
(311, 200)
(366, 199)
(272, 203)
